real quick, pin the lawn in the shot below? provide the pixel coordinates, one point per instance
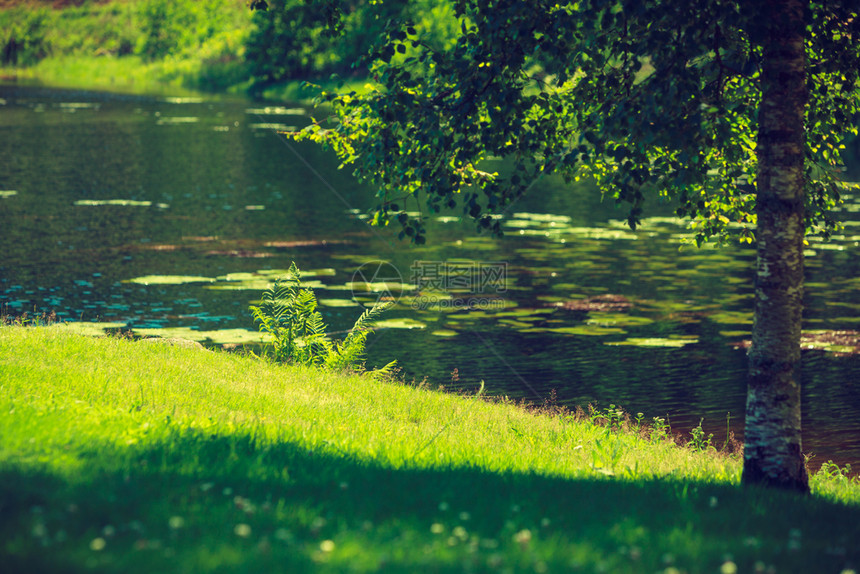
(122, 456)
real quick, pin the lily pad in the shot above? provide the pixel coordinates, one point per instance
(543, 217)
(606, 302)
(838, 342)
(515, 324)
(618, 319)
(325, 272)
(404, 323)
(258, 284)
(584, 330)
(79, 106)
(379, 286)
(273, 126)
(338, 303)
(655, 342)
(445, 333)
(169, 279)
(177, 121)
(122, 202)
(732, 318)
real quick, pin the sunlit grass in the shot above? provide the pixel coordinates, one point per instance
(131, 457)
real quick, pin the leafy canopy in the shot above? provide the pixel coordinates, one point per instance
(654, 97)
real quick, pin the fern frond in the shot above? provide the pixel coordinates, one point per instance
(382, 373)
(288, 312)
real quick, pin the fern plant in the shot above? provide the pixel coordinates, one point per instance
(288, 312)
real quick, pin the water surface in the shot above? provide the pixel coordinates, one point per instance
(170, 215)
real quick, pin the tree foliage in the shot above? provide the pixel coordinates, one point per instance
(303, 39)
(735, 110)
(648, 98)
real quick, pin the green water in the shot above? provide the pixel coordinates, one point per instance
(170, 215)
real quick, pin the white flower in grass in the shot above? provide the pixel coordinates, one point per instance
(437, 528)
(523, 537)
(98, 544)
(176, 522)
(728, 567)
(242, 530)
(327, 545)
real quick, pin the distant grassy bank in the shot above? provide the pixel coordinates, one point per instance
(134, 45)
(209, 45)
(124, 456)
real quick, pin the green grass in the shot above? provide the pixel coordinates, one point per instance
(119, 456)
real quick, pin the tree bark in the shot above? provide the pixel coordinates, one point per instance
(772, 438)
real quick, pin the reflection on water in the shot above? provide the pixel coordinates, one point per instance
(171, 215)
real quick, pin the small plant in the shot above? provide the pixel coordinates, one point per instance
(288, 312)
(659, 429)
(611, 418)
(833, 471)
(698, 441)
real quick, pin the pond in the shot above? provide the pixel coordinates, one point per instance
(170, 215)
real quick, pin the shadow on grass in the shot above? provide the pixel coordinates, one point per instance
(193, 502)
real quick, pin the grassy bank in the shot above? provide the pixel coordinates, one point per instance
(140, 457)
(135, 45)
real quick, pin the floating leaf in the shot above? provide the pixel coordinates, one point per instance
(177, 121)
(445, 333)
(543, 217)
(731, 318)
(79, 106)
(325, 272)
(169, 279)
(273, 126)
(404, 323)
(338, 302)
(123, 202)
(619, 319)
(586, 330)
(679, 341)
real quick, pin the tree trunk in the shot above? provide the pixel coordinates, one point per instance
(772, 446)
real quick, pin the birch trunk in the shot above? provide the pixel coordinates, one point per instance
(772, 445)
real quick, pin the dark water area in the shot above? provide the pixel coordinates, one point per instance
(170, 215)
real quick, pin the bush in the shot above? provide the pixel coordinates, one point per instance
(23, 40)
